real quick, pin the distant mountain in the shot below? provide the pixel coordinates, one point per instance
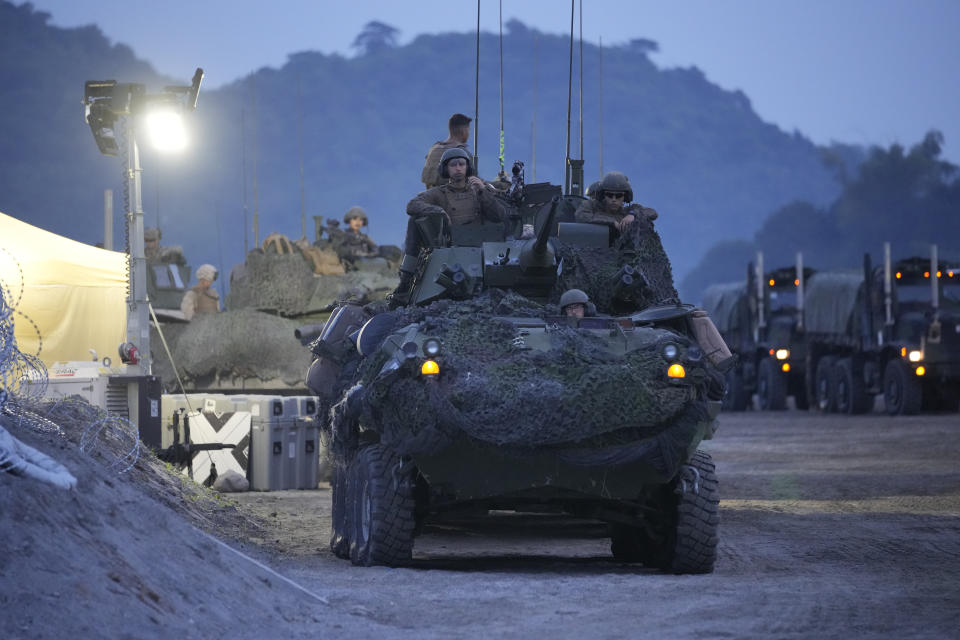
(697, 153)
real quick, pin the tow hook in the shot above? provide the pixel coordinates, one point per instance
(689, 479)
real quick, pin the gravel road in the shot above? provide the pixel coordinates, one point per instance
(830, 527)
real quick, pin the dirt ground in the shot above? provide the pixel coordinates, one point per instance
(830, 527)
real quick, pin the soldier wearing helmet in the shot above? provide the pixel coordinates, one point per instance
(463, 199)
(353, 242)
(155, 254)
(612, 206)
(459, 127)
(573, 303)
(201, 298)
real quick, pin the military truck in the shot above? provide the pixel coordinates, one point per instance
(479, 395)
(892, 330)
(768, 338)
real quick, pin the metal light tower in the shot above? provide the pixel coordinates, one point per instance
(105, 102)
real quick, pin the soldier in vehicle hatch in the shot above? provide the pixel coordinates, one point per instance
(353, 242)
(459, 126)
(155, 254)
(463, 199)
(612, 206)
(574, 303)
(202, 298)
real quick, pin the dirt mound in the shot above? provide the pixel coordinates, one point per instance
(131, 554)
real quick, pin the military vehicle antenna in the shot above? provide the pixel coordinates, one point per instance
(887, 290)
(243, 171)
(566, 160)
(601, 106)
(934, 280)
(800, 285)
(580, 97)
(502, 174)
(536, 73)
(476, 101)
(256, 199)
(761, 288)
(303, 197)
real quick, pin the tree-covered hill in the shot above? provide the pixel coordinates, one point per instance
(697, 153)
(910, 198)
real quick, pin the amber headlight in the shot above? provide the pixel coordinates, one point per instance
(430, 368)
(676, 371)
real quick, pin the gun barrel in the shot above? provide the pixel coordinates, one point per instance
(307, 333)
(544, 234)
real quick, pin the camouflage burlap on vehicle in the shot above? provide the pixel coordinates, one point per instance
(287, 284)
(232, 349)
(579, 397)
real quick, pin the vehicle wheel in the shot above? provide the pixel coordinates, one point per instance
(695, 543)
(771, 386)
(902, 393)
(823, 384)
(382, 507)
(736, 397)
(849, 392)
(339, 526)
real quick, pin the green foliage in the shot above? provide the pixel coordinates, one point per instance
(909, 198)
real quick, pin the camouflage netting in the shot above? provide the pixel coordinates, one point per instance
(595, 270)
(576, 395)
(287, 284)
(226, 348)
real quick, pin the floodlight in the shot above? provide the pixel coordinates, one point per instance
(166, 129)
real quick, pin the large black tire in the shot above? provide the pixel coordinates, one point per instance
(823, 384)
(339, 525)
(698, 517)
(902, 391)
(771, 386)
(382, 507)
(736, 397)
(849, 393)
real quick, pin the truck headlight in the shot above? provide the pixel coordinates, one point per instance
(670, 351)
(676, 371)
(430, 368)
(783, 354)
(915, 356)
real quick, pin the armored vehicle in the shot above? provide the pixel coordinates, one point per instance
(761, 321)
(479, 394)
(893, 330)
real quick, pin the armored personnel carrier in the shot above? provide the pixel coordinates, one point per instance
(480, 394)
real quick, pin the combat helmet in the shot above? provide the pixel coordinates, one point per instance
(450, 154)
(355, 212)
(593, 190)
(616, 181)
(573, 296)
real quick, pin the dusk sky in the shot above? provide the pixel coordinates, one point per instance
(857, 71)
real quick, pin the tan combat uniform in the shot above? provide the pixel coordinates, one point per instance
(165, 255)
(464, 205)
(594, 212)
(198, 300)
(430, 176)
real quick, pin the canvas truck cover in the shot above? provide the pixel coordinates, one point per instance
(722, 302)
(831, 303)
(74, 293)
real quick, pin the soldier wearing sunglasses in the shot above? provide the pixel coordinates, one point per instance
(614, 204)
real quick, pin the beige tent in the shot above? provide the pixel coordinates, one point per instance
(71, 293)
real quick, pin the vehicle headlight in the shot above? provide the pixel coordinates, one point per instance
(431, 347)
(676, 371)
(783, 354)
(670, 351)
(430, 368)
(915, 356)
